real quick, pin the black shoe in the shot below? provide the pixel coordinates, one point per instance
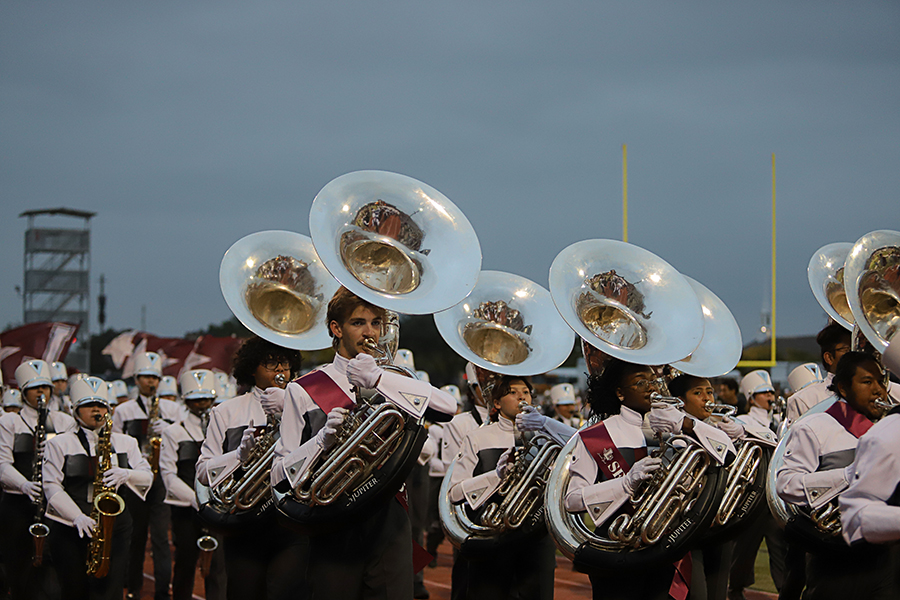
(420, 591)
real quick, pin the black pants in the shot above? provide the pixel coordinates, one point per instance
(70, 555)
(186, 529)
(865, 572)
(710, 565)
(266, 562)
(150, 515)
(25, 581)
(370, 560)
(459, 576)
(434, 534)
(794, 572)
(747, 545)
(521, 572)
(634, 584)
(417, 488)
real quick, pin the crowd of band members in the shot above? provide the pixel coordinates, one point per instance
(374, 558)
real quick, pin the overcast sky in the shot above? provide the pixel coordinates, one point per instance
(188, 125)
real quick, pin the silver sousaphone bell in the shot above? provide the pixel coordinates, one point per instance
(509, 325)
(720, 348)
(872, 282)
(277, 286)
(826, 280)
(395, 241)
(626, 301)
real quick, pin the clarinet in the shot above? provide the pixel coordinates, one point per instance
(39, 529)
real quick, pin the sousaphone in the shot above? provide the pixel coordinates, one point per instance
(872, 282)
(401, 245)
(826, 280)
(507, 325)
(634, 306)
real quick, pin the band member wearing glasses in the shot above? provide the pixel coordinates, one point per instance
(611, 460)
(264, 560)
(373, 558)
(818, 467)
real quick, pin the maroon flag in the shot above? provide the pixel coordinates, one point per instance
(46, 341)
(212, 352)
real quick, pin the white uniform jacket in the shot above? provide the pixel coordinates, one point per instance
(131, 418)
(227, 422)
(870, 508)
(17, 443)
(456, 430)
(756, 426)
(816, 459)
(303, 418)
(474, 478)
(68, 482)
(435, 440)
(178, 456)
(805, 399)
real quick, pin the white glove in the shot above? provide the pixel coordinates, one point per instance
(248, 440)
(734, 430)
(530, 419)
(641, 470)
(665, 418)
(157, 426)
(363, 372)
(115, 477)
(272, 400)
(84, 525)
(503, 464)
(31, 489)
(325, 438)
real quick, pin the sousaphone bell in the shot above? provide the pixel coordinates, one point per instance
(825, 274)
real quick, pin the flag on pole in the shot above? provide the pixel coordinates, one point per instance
(48, 341)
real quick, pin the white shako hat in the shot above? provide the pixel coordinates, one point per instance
(423, 376)
(803, 376)
(58, 371)
(198, 384)
(111, 398)
(88, 390)
(405, 358)
(33, 373)
(148, 363)
(453, 391)
(471, 374)
(12, 397)
(562, 393)
(755, 382)
(167, 386)
(75, 377)
(121, 388)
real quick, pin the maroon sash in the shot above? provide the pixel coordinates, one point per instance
(324, 391)
(613, 465)
(604, 452)
(855, 423)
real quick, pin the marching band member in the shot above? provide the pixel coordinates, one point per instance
(834, 342)
(264, 561)
(12, 400)
(623, 394)
(121, 391)
(759, 392)
(69, 487)
(436, 471)
(149, 512)
(562, 395)
(180, 449)
(60, 379)
(167, 388)
(17, 455)
(525, 571)
(477, 380)
(374, 557)
(817, 468)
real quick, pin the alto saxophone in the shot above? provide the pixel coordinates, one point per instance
(39, 529)
(155, 441)
(107, 506)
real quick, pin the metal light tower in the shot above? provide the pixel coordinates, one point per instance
(57, 270)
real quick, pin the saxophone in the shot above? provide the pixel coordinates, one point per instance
(155, 441)
(39, 529)
(107, 506)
